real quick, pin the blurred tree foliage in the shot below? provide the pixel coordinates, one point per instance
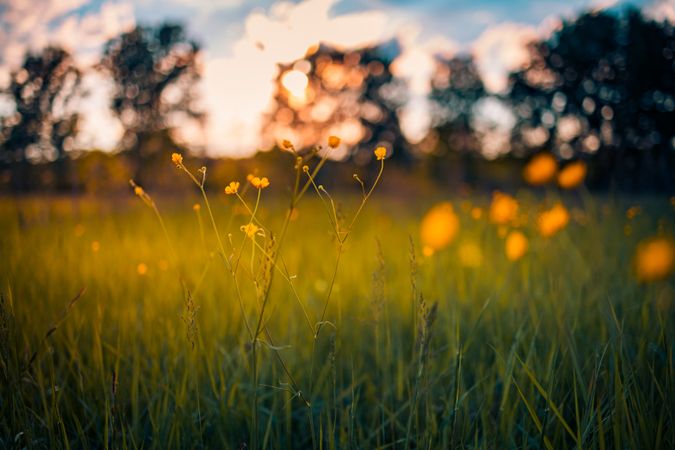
(602, 88)
(43, 124)
(456, 89)
(349, 94)
(155, 70)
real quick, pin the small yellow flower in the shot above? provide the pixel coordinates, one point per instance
(177, 159)
(632, 212)
(196, 207)
(380, 153)
(470, 255)
(286, 144)
(95, 246)
(305, 168)
(249, 177)
(503, 208)
(476, 213)
(439, 226)
(232, 188)
(250, 229)
(333, 141)
(515, 246)
(540, 170)
(142, 269)
(138, 191)
(572, 175)
(260, 183)
(553, 220)
(655, 259)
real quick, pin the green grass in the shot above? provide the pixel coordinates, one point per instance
(562, 349)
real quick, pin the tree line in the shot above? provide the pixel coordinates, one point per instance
(601, 88)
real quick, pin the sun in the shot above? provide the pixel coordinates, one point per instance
(295, 82)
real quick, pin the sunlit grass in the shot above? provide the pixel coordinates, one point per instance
(561, 347)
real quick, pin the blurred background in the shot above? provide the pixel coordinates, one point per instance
(461, 93)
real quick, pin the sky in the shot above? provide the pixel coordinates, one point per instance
(238, 76)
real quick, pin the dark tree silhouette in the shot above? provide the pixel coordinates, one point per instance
(456, 89)
(603, 88)
(352, 94)
(42, 124)
(155, 70)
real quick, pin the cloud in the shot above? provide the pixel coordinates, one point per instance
(99, 129)
(237, 88)
(416, 66)
(500, 50)
(662, 10)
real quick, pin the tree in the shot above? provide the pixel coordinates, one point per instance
(155, 70)
(351, 94)
(42, 124)
(602, 88)
(456, 89)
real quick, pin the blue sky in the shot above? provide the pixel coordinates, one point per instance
(236, 74)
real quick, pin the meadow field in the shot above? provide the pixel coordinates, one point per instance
(311, 333)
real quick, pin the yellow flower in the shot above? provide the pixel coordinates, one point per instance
(286, 144)
(196, 207)
(470, 255)
(572, 175)
(142, 269)
(439, 226)
(503, 208)
(138, 191)
(380, 153)
(654, 259)
(476, 213)
(540, 170)
(515, 246)
(502, 231)
(232, 188)
(177, 159)
(553, 220)
(333, 141)
(632, 212)
(95, 246)
(250, 229)
(249, 177)
(259, 183)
